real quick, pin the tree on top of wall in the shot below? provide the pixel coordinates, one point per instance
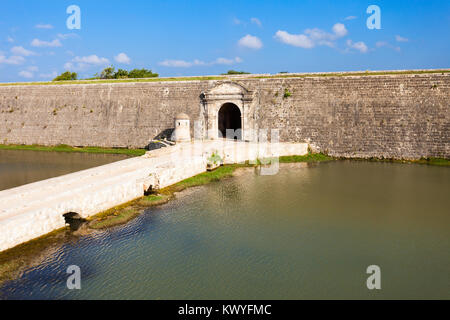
(121, 74)
(142, 73)
(235, 72)
(110, 73)
(66, 76)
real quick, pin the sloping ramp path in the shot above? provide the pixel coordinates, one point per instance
(35, 209)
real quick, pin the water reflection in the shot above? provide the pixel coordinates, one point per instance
(307, 232)
(19, 167)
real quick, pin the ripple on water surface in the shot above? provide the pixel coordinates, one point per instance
(307, 232)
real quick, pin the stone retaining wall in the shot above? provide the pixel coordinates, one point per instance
(391, 116)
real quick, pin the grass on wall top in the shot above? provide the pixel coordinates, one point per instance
(249, 76)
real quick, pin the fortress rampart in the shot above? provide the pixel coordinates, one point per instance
(390, 116)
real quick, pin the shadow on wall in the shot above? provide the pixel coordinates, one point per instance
(163, 135)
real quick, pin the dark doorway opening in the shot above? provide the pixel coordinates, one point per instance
(230, 118)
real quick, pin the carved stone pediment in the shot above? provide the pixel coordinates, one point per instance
(228, 91)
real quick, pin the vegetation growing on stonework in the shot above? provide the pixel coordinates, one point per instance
(107, 73)
(110, 73)
(215, 158)
(155, 77)
(235, 72)
(142, 73)
(309, 157)
(65, 76)
(287, 93)
(121, 74)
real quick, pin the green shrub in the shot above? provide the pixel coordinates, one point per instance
(287, 93)
(142, 73)
(235, 72)
(108, 73)
(66, 76)
(121, 74)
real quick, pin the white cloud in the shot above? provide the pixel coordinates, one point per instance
(69, 66)
(244, 23)
(339, 30)
(176, 63)
(26, 74)
(360, 46)
(256, 21)
(312, 37)
(83, 63)
(251, 42)
(12, 60)
(122, 58)
(51, 75)
(10, 39)
(236, 21)
(92, 59)
(43, 26)
(227, 61)
(350, 18)
(296, 40)
(381, 44)
(21, 51)
(187, 64)
(401, 39)
(64, 36)
(41, 43)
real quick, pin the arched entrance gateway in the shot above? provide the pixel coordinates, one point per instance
(230, 122)
(228, 106)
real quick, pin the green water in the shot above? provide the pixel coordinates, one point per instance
(19, 167)
(308, 232)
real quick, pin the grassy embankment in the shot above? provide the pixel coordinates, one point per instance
(317, 157)
(66, 148)
(427, 161)
(13, 261)
(227, 77)
(434, 161)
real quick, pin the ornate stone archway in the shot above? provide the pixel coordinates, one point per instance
(228, 92)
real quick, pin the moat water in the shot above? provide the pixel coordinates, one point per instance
(19, 167)
(308, 232)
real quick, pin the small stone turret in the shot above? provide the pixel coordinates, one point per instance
(182, 131)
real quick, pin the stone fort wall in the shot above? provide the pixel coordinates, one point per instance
(390, 116)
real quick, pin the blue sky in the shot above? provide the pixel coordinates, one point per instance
(210, 37)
